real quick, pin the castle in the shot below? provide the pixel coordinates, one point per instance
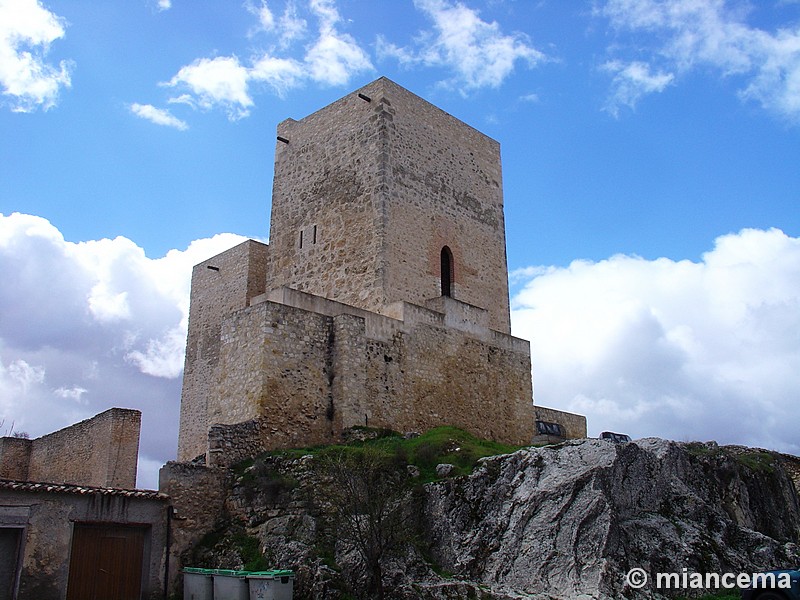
(381, 299)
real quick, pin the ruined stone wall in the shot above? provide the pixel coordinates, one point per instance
(15, 458)
(574, 425)
(446, 183)
(101, 451)
(231, 444)
(220, 285)
(197, 494)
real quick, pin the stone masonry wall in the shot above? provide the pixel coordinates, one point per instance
(291, 377)
(15, 458)
(198, 495)
(431, 376)
(446, 190)
(101, 451)
(367, 193)
(328, 185)
(276, 363)
(574, 425)
(220, 285)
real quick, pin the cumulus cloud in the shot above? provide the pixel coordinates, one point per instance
(159, 116)
(291, 26)
(334, 55)
(220, 81)
(476, 51)
(26, 31)
(281, 74)
(632, 81)
(330, 58)
(687, 35)
(90, 325)
(266, 20)
(678, 349)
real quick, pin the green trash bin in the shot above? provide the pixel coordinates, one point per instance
(197, 584)
(271, 585)
(230, 585)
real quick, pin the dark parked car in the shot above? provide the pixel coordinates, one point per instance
(617, 438)
(774, 588)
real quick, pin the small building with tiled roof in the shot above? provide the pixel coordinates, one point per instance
(67, 537)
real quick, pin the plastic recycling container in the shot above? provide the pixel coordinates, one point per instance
(271, 585)
(197, 584)
(230, 585)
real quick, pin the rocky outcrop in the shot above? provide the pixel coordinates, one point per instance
(565, 521)
(574, 519)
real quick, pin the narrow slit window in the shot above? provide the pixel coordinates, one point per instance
(447, 272)
(314, 236)
(301, 238)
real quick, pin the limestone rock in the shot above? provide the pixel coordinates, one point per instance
(573, 519)
(559, 522)
(444, 469)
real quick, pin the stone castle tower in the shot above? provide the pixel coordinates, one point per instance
(368, 193)
(381, 299)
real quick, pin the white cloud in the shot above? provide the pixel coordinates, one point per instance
(334, 58)
(282, 74)
(18, 377)
(331, 58)
(220, 81)
(91, 325)
(159, 116)
(75, 394)
(291, 26)
(684, 350)
(162, 356)
(266, 20)
(688, 34)
(632, 81)
(26, 31)
(164, 5)
(477, 51)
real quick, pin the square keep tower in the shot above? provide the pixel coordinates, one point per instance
(382, 197)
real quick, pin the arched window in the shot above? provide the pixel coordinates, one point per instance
(447, 272)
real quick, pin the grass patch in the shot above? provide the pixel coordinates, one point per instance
(439, 445)
(225, 538)
(250, 551)
(757, 460)
(701, 449)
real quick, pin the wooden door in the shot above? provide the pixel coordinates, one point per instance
(106, 562)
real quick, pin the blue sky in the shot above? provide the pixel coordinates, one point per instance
(650, 152)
